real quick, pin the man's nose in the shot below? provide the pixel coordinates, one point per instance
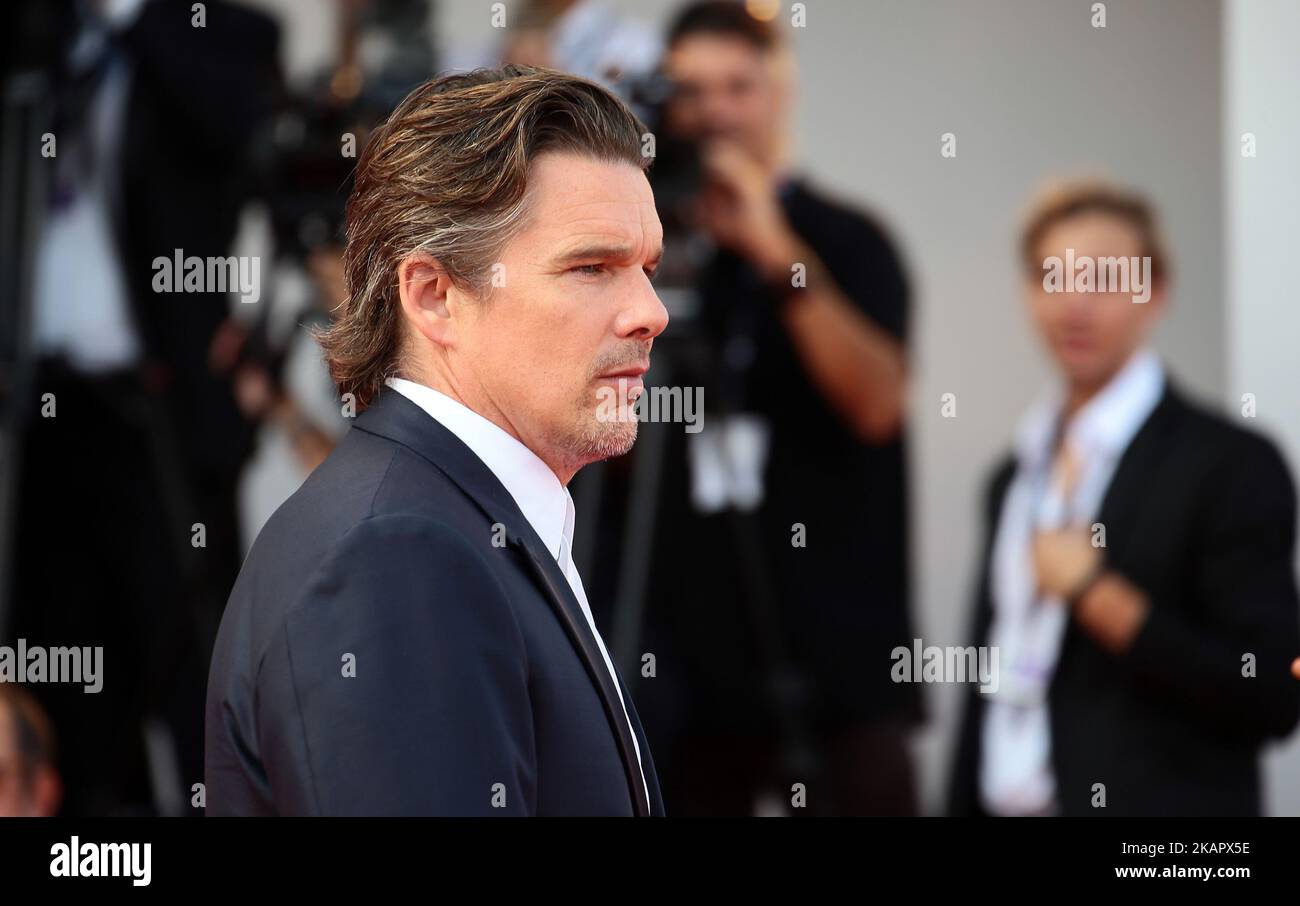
(717, 110)
(645, 317)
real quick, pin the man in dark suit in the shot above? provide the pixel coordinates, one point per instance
(409, 634)
(1138, 576)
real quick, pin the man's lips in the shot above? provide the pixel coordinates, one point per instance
(1076, 343)
(630, 372)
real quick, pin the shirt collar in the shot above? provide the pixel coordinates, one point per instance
(545, 503)
(1107, 423)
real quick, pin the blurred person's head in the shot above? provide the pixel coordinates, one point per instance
(29, 782)
(500, 237)
(528, 40)
(1090, 333)
(731, 78)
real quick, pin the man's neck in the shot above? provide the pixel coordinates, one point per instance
(1079, 393)
(1077, 396)
(451, 389)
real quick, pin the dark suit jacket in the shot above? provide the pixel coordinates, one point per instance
(474, 666)
(1201, 516)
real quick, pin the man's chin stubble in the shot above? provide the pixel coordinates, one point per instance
(602, 440)
(613, 440)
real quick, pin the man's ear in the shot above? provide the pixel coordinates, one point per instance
(423, 287)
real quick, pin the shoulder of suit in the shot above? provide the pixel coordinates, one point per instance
(402, 556)
(444, 538)
(1225, 434)
(369, 489)
(1232, 448)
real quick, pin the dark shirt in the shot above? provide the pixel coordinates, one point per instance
(839, 603)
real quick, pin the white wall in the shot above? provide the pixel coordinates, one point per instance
(1262, 96)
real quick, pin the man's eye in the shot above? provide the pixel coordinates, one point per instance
(591, 270)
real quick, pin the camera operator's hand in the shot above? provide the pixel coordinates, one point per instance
(856, 364)
(739, 208)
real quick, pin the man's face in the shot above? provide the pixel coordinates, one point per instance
(576, 316)
(1090, 335)
(725, 89)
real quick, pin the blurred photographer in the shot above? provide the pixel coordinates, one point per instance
(786, 512)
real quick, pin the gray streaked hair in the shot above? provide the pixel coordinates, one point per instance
(447, 175)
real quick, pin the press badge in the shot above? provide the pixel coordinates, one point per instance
(727, 463)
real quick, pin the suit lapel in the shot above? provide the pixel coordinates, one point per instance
(395, 417)
(547, 574)
(651, 775)
(1134, 473)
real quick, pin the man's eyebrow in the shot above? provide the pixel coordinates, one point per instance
(601, 251)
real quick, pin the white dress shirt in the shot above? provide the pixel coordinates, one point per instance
(545, 503)
(1015, 768)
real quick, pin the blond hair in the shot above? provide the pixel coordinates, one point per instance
(1068, 198)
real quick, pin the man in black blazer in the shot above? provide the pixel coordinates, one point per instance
(1138, 574)
(409, 634)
